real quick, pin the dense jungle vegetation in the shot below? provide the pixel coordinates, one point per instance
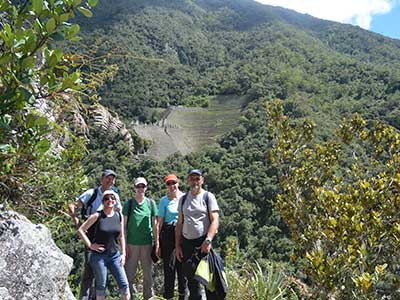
(137, 58)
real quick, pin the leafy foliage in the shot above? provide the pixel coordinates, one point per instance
(34, 75)
(166, 53)
(342, 210)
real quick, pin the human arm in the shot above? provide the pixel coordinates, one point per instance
(82, 233)
(178, 237)
(122, 241)
(125, 223)
(212, 231)
(160, 222)
(155, 234)
(72, 207)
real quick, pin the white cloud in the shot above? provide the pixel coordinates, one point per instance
(356, 12)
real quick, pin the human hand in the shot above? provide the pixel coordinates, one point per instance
(97, 247)
(205, 248)
(178, 253)
(126, 252)
(122, 260)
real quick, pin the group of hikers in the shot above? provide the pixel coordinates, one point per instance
(179, 231)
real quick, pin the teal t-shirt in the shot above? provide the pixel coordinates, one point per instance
(140, 229)
(168, 210)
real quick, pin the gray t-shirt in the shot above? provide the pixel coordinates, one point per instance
(195, 216)
(97, 204)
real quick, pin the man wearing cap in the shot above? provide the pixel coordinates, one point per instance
(141, 223)
(91, 202)
(197, 225)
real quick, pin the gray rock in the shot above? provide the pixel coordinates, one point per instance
(32, 267)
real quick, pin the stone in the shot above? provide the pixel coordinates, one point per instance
(32, 267)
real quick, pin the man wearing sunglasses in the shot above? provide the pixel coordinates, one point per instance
(197, 225)
(141, 223)
(91, 202)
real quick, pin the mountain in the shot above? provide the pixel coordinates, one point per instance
(191, 52)
(171, 51)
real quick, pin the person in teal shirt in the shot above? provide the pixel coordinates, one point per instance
(167, 218)
(141, 227)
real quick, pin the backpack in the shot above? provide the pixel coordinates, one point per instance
(206, 199)
(130, 207)
(88, 206)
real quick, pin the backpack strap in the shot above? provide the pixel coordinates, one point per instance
(130, 205)
(92, 231)
(89, 204)
(206, 199)
(151, 204)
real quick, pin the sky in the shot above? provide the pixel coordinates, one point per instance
(380, 16)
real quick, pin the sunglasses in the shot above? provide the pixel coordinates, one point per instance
(171, 182)
(140, 186)
(194, 178)
(109, 198)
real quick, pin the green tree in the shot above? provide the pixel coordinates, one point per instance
(38, 87)
(340, 199)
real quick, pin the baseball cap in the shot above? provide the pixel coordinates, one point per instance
(108, 172)
(171, 177)
(195, 171)
(140, 180)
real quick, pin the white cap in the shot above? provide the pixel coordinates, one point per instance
(109, 192)
(140, 180)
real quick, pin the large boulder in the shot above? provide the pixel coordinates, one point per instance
(32, 267)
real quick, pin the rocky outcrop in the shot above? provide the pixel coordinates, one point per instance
(32, 267)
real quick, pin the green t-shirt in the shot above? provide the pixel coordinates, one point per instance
(140, 229)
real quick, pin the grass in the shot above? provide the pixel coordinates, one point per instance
(186, 129)
(255, 283)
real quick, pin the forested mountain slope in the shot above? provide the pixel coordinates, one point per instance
(182, 52)
(169, 63)
(170, 51)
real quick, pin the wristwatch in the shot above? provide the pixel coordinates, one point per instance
(207, 241)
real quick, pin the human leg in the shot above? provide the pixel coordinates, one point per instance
(118, 272)
(182, 282)
(190, 262)
(87, 277)
(167, 245)
(98, 264)
(131, 267)
(169, 279)
(147, 266)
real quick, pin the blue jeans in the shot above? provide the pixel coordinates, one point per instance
(100, 263)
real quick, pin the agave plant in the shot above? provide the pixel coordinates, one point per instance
(252, 282)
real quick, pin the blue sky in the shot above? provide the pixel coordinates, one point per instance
(381, 16)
